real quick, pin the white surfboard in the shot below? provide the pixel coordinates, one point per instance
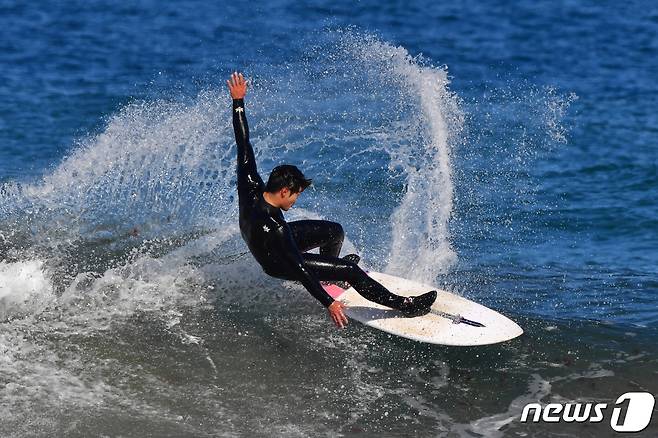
(453, 320)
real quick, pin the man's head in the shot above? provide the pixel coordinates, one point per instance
(285, 184)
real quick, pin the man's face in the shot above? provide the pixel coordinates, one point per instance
(288, 198)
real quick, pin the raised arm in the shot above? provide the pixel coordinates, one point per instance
(248, 178)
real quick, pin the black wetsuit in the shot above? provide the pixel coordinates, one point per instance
(279, 247)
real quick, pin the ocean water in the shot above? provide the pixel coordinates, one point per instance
(505, 152)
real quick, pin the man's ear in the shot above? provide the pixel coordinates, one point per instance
(284, 192)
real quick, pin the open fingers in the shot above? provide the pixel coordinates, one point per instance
(236, 80)
(339, 317)
(338, 320)
(342, 319)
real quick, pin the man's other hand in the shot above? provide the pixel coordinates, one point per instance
(336, 313)
(237, 85)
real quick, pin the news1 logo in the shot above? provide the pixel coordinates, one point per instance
(632, 412)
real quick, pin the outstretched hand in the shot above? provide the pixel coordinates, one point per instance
(237, 85)
(336, 313)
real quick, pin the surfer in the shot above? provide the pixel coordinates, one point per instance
(280, 247)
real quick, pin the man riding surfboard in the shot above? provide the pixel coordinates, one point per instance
(280, 247)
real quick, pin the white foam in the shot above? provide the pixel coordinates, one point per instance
(538, 389)
(420, 246)
(162, 159)
(24, 289)
(490, 426)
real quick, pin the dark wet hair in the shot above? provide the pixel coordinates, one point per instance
(288, 176)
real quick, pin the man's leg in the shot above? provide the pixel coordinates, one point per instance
(328, 268)
(310, 234)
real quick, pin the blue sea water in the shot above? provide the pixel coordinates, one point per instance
(503, 151)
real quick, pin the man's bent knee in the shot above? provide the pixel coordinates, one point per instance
(337, 230)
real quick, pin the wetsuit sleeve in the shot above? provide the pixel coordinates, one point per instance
(248, 179)
(293, 259)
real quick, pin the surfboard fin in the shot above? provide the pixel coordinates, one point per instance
(461, 320)
(473, 323)
(458, 319)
